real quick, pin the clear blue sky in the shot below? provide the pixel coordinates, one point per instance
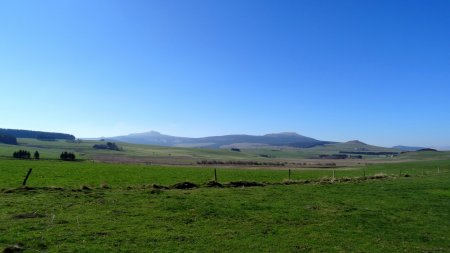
(378, 71)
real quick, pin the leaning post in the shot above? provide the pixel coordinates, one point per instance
(26, 177)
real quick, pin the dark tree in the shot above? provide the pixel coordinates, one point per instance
(36, 155)
(67, 156)
(22, 154)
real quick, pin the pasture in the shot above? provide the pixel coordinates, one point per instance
(97, 207)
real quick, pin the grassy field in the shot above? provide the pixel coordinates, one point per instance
(118, 210)
(74, 174)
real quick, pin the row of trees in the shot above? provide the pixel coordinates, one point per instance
(24, 154)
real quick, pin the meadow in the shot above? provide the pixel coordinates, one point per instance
(97, 207)
(127, 204)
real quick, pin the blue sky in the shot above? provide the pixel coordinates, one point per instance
(378, 71)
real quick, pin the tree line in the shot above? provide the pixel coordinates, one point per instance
(108, 145)
(8, 139)
(18, 133)
(25, 154)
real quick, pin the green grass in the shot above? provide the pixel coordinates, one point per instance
(74, 174)
(403, 214)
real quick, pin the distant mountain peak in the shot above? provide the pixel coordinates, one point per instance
(149, 133)
(283, 134)
(356, 142)
(153, 132)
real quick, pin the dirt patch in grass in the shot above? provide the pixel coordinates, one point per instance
(184, 185)
(28, 215)
(156, 189)
(161, 187)
(287, 182)
(214, 184)
(14, 248)
(19, 189)
(244, 184)
(31, 189)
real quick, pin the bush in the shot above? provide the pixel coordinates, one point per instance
(67, 156)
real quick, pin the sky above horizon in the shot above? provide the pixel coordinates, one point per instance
(377, 71)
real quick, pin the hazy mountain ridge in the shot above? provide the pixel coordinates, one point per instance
(408, 148)
(274, 139)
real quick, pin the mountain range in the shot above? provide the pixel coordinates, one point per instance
(287, 139)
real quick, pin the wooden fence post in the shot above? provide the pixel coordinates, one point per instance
(215, 174)
(289, 174)
(26, 177)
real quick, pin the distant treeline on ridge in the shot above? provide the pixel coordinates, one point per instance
(8, 139)
(35, 134)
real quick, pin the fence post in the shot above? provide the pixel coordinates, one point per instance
(215, 174)
(334, 173)
(26, 177)
(289, 174)
(364, 172)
